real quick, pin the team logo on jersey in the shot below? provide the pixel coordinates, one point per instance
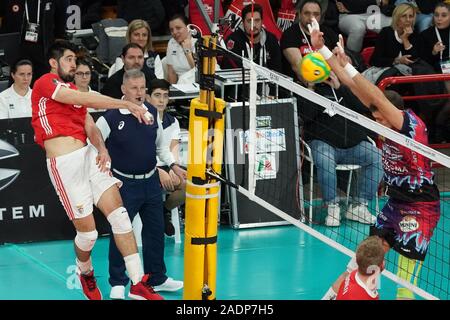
(121, 125)
(408, 224)
(77, 106)
(230, 44)
(7, 176)
(15, 8)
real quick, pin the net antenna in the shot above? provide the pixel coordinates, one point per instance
(251, 142)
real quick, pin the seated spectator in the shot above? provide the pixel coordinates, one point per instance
(180, 50)
(435, 50)
(139, 32)
(133, 58)
(330, 148)
(170, 182)
(15, 102)
(354, 19)
(296, 40)
(396, 47)
(424, 13)
(434, 41)
(266, 51)
(83, 76)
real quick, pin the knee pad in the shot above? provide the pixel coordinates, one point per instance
(85, 240)
(120, 221)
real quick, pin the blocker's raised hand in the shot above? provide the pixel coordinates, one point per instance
(316, 35)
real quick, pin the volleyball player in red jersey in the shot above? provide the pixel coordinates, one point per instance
(361, 284)
(79, 172)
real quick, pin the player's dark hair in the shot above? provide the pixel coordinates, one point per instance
(395, 99)
(159, 84)
(21, 62)
(57, 49)
(248, 8)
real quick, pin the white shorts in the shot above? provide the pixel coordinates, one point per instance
(78, 181)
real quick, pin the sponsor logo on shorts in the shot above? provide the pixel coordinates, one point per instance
(408, 224)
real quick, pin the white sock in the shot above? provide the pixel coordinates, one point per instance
(330, 295)
(85, 267)
(134, 267)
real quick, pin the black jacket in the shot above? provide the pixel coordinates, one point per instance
(336, 131)
(428, 39)
(267, 51)
(387, 48)
(360, 6)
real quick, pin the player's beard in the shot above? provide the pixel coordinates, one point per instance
(66, 77)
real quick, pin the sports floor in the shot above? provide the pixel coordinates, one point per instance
(270, 263)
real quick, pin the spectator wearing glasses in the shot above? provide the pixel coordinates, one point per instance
(83, 76)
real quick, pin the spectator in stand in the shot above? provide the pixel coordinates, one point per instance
(180, 49)
(355, 20)
(434, 49)
(266, 50)
(139, 32)
(396, 45)
(133, 58)
(424, 13)
(295, 41)
(83, 76)
(38, 28)
(15, 102)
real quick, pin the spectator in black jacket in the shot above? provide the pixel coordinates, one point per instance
(133, 58)
(266, 50)
(335, 140)
(37, 32)
(358, 16)
(435, 49)
(397, 44)
(295, 41)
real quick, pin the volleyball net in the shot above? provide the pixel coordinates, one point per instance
(295, 174)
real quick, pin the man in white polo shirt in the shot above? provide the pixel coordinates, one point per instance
(15, 102)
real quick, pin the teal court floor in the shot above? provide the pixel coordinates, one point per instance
(267, 263)
(273, 263)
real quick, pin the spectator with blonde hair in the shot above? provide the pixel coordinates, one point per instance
(139, 32)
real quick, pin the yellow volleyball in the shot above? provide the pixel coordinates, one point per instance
(314, 68)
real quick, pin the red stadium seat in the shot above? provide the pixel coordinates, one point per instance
(366, 54)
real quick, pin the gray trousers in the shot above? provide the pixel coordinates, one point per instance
(355, 27)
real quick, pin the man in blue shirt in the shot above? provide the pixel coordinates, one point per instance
(133, 148)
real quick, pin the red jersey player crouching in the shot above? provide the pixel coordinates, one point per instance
(79, 172)
(361, 284)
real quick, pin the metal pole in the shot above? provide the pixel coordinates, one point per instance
(205, 16)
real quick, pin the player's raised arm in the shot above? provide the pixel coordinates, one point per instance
(98, 101)
(371, 96)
